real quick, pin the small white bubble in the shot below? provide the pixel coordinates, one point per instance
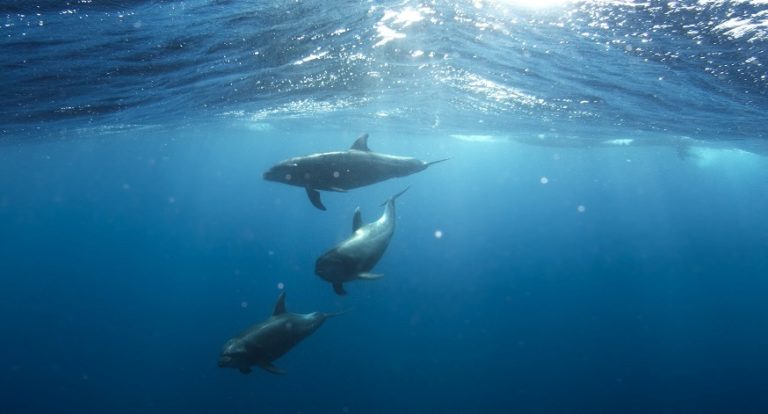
(243, 304)
(336, 174)
(271, 253)
(544, 180)
(581, 208)
(438, 234)
(171, 200)
(281, 286)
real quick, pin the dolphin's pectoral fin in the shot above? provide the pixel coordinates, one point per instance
(314, 197)
(361, 143)
(369, 276)
(245, 370)
(357, 220)
(339, 289)
(267, 366)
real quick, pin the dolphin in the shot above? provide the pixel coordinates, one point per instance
(267, 341)
(343, 170)
(353, 258)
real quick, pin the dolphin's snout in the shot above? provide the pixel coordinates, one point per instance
(270, 175)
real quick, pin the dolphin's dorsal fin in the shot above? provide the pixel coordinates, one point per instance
(357, 220)
(280, 305)
(361, 144)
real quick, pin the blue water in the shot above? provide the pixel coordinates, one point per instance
(597, 242)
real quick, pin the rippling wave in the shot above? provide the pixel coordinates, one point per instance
(586, 68)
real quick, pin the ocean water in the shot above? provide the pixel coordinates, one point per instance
(597, 242)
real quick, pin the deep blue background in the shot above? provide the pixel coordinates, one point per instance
(126, 262)
(137, 234)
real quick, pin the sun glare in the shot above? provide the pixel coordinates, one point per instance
(534, 4)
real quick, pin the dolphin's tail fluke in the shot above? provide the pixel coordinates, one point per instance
(394, 197)
(435, 162)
